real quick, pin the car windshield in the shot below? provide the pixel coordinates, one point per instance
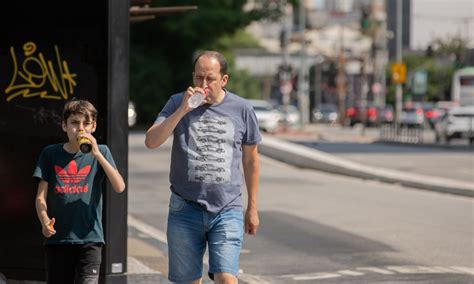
(325, 107)
(261, 108)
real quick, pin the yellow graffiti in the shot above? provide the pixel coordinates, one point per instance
(36, 72)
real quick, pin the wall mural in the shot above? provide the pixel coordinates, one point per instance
(33, 75)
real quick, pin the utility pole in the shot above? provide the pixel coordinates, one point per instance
(398, 37)
(363, 92)
(341, 79)
(303, 100)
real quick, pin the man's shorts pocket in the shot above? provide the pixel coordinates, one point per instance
(176, 202)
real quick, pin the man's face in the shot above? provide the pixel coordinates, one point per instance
(207, 76)
(76, 123)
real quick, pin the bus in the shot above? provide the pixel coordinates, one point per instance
(458, 122)
(462, 87)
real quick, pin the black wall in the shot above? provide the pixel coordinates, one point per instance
(50, 53)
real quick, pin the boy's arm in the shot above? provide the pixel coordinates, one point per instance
(251, 167)
(42, 209)
(113, 175)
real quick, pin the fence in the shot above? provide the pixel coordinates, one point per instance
(401, 133)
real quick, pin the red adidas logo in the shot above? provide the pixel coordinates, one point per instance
(72, 175)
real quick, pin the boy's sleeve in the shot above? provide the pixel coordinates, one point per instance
(42, 169)
(107, 155)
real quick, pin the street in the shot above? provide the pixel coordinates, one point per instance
(315, 227)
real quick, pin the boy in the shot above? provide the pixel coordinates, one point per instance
(69, 198)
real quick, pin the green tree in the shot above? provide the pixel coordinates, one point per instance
(162, 50)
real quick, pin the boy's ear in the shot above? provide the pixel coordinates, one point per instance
(94, 126)
(64, 126)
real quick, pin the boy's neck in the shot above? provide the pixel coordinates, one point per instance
(71, 147)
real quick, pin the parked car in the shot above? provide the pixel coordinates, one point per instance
(357, 114)
(413, 116)
(132, 114)
(267, 116)
(458, 122)
(289, 115)
(325, 113)
(431, 113)
(386, 114)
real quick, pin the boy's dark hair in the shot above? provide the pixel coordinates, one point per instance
(83, 107)
(214, 54)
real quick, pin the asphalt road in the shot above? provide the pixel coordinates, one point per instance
(316, 228)
(455, 161)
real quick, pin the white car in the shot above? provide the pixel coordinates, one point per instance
(458, 122)
(267, 116)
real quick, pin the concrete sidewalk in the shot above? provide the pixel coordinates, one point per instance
(277, 147)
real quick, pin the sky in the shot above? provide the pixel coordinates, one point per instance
(441, 18)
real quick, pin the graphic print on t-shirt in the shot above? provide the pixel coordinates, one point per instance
(210, 155)
(71, 178)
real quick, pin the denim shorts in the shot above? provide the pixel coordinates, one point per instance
(190, 228)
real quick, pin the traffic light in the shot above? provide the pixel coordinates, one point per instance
(283, 38)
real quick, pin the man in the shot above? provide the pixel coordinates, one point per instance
(209, 143)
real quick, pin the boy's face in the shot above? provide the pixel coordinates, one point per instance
(75, 123)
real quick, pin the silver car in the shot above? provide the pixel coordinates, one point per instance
(267, 116)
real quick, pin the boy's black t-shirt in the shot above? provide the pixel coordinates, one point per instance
(75, 184)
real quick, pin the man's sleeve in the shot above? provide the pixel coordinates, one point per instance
(252, 134)
(168, 109)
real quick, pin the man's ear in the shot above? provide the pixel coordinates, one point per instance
(64, 126)
(225, 78)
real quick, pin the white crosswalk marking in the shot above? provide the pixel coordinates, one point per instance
(134, 266)
(467, 270)
(252, 279)
(376, 270)
(350, 272)
(147, 229)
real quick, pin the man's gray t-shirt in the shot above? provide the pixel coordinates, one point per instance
(207, 150)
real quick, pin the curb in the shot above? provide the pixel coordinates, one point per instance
(304, 157)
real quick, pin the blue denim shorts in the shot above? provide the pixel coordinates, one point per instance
(190, 228)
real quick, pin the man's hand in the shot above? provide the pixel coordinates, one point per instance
(251, 221)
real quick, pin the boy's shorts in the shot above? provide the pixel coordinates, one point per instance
(190, 227)
(73, 263)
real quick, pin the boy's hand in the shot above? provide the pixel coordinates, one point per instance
(48, 228)
(95, 149)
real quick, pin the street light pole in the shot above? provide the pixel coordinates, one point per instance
(303, 100)
(398, 38)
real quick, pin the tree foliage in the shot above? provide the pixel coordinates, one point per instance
(444, 58)
(162, 50)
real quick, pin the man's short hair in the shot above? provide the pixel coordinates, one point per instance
(83, 107)
(218, 56)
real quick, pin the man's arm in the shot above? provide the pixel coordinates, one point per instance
(251, 166)
(159, 132)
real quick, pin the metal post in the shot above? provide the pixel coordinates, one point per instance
(303, 101)
(364, 90)
(399, 60)
(341, 80)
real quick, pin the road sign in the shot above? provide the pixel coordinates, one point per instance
(420, 82)
(399, 72)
